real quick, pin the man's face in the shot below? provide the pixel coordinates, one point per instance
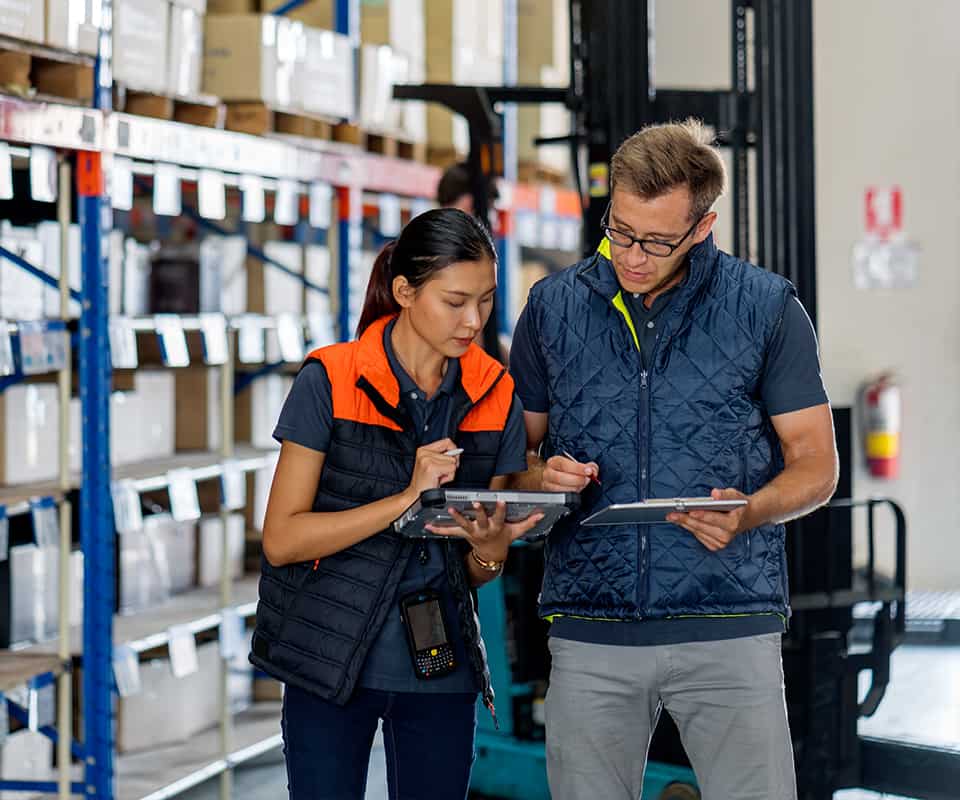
(666, 219)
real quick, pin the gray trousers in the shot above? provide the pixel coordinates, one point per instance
(726, 698)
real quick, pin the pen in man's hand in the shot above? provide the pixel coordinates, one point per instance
(594, 478)
(455, 452)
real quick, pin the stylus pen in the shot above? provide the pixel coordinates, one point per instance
(455, 452)
(594, 478)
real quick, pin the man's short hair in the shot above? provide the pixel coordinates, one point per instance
(659, 158)
(455, 182)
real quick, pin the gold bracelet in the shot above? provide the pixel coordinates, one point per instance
(488, 566)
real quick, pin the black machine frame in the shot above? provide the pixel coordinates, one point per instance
(612, 94)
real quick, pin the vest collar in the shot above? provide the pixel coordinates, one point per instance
(478, 371)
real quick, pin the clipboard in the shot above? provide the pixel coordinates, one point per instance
(431, 508)
(653, 511)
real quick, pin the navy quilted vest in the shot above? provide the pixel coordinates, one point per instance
(693, 422)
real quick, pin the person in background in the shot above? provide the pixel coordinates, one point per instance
(667, 368)
(455, 190)
(411, 405)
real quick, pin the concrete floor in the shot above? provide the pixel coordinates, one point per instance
(922, 706)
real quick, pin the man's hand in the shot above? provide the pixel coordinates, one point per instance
(561, 474)
(716, 529)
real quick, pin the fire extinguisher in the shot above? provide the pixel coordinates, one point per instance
(881, 414)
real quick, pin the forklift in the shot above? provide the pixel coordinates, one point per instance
(828, 648)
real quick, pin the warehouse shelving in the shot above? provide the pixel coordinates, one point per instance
(109, 149)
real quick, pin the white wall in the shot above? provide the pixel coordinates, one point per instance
(887, 111)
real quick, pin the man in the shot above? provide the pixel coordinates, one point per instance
(455, 189)
(668, 368)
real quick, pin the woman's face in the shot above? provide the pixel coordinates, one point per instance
(451, 308)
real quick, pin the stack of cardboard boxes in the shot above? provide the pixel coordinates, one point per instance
(543, 58)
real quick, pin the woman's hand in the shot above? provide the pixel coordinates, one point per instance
(433, 468)
(490, 537)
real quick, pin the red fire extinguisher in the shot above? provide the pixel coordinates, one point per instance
(881, 415)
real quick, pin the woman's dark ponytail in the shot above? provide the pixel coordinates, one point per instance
(429, 243)
(379, 301)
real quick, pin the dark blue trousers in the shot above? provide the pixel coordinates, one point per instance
(428, 739)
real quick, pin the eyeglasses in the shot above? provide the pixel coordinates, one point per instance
(652, 247)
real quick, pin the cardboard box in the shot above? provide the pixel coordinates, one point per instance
(74, 25)
(249, 57)
(23, 19)
(258, 409)
(271, 290)
(140, 39)
(315, 13)
(325, 74)
(198, 417)
(29, 433)
(464, 45)
(185, 55)
(232, 6)
(210, 548)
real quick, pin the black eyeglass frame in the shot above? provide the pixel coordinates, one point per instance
(667, 248)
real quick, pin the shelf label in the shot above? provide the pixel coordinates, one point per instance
(233, 487)
(184, 500)
(390, 221)
(126, 670)
(250, 341)
(6, 172)
(7, 366)
(254, 202)
(43, 174)
(214, 331)
(4, 534)
(211, 194)
(46, 522)
(167, 201)
(286, 207)
(173, 341)
(232, 630)
(121, 184)
(123, 344)
(127, 511)
(183, 651)
(290, 336)
(42, 348)
(321, 205)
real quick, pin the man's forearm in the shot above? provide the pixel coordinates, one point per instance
(532, 479)
(803, 486)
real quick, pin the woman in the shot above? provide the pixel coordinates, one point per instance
(367, 427)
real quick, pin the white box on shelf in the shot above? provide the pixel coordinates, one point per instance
(74, 25)
(231, 254)
(210, 548)
(22, 295)
(26, 756)
(115, 263)
(325, 81)
(185, 54)
(380, 68)
(180, 546)
(136, 278)
(29, 433)
(126, 425)
(49, 235)
(140, 36)
(156, 390)
(262, 480)
(259, 409)
(282, 292)
(23, 19)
